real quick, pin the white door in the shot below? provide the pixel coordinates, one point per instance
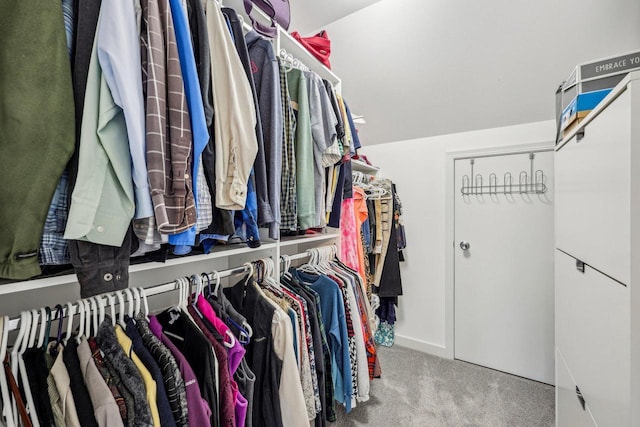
(504, 252)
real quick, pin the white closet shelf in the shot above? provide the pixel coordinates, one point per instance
(611, 96)
(360, 166)
(291, 45)
(217, 253)
(296, 240)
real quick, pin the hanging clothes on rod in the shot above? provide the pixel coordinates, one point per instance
(380, 242)
(326, 285)
(223, 355)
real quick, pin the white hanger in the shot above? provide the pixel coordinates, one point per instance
(121, 308)
(143, 292)
(70, 314)
(7, 411)
(251, 271)
(136, 300)
(197, 280)
(95, 315)
(102, 307)
(111, 299)
(180, 285)
(43, 326)
(32, 325)
(34, 329)
(80, 321)
(183, 292)
(130, 302)
(187, 292)
(25, 324)
(216, 275)
(87, 318)
(310, 266)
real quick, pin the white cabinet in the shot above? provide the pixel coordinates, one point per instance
(592, 329)
(597, 311)
(592, 192)
(569, 409)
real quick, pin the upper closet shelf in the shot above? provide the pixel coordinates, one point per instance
(285, 41)
(360, 166)
(579, 130)
(290, 45)
(296, 240)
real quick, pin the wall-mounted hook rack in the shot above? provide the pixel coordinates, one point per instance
(532, 182)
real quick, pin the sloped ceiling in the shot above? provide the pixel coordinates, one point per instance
(308, 16)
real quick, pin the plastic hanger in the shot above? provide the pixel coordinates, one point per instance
(17, 363)
(310, 266)
(70, 314)
(21, 366)
(60, 318)
(7, 411)
(95, 314)
(102, 307)
(87, 318)
(43, 325)
(25, 317)
(143, 292)
(200, 291)
(80, 305)
(121, 308)
(180, 284)
(111, 299)
(34, 329)
(131, 303)
(136, 300)
(197, 280)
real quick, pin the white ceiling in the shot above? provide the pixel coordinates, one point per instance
(311, 15)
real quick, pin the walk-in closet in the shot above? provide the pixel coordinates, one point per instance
(294, 213)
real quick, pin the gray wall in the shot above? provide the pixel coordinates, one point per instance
(419, 68)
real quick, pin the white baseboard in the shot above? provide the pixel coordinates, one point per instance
(423, 346)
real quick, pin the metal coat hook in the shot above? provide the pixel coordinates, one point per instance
(529, 182)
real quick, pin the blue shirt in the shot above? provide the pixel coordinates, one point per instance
(335, 323)
(196, 112)
(119, 57)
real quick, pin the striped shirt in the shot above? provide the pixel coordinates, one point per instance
(168, 126)
(288, 202)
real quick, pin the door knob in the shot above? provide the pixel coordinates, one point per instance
(465, 245)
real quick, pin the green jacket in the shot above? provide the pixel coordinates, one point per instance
(37, 133)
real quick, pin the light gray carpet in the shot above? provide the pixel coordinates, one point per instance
(418, 389)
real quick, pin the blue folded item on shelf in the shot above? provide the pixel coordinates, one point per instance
(581, 105)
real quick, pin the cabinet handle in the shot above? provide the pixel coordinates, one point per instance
(580, 266)
(580, 135)
(580, 398)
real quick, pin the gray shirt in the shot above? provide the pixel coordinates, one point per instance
(266, 76)
(323, 130)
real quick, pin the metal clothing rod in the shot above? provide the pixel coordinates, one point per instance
(302, 255)
(14, 323)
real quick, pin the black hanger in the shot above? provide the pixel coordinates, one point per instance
(59, 314)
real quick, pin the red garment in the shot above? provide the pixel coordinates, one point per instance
(319, 46)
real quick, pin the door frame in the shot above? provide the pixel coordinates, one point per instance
(449, 227)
